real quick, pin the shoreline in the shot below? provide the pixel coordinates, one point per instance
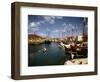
(77, 61)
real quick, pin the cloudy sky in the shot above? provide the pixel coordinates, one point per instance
(55, 26)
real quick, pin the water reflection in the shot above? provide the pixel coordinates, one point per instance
(53, 56)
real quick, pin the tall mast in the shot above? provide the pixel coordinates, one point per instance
(84, 28)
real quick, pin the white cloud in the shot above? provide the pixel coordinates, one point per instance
(33, 27)
(64, 24)
(42, 34)
(69, 28)
(56, 31)
(49, 19)
(59, 17)
(69, 25)
(38, 23)
(63, 30)
(33, 24)
(33, 30)
(41, 22)
(52, 21)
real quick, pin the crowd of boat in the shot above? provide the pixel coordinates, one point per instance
(75, 50)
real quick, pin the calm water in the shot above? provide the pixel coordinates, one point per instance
(55, 55)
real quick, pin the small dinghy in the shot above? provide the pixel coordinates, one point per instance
(44, 49)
